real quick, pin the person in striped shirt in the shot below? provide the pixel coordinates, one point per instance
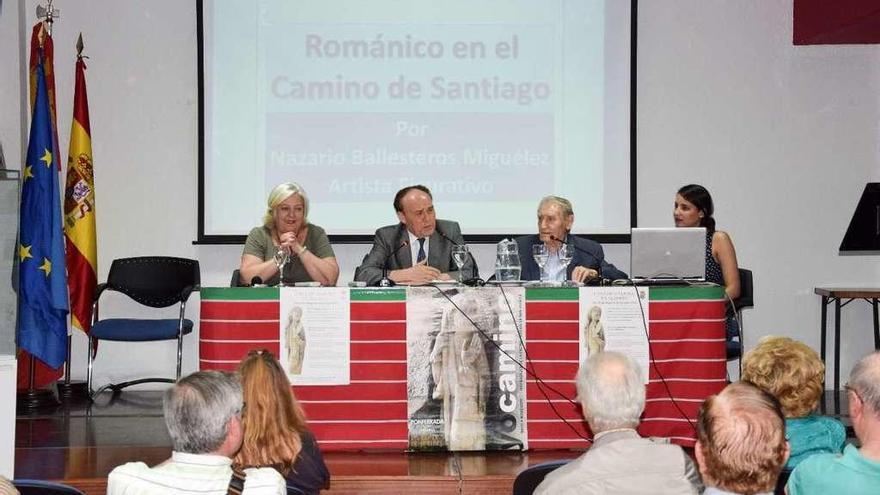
(203, 416)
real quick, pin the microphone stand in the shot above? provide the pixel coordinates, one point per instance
(385, 281)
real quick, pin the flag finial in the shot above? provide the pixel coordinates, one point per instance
(48, 14)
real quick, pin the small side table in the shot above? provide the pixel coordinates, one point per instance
(841, 297)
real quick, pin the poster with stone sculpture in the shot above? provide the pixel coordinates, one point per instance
(314, 335)
(465, 388)
(614, 319)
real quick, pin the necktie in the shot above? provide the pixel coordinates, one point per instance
(421, 256)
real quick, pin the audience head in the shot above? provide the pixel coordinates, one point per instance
(741, 444)
(611, 390)
(203, 413)
(694, 208)
(555, 218)
(790, 371)
(287, 201)
(273, 418)
(415, 209)
(864, 395)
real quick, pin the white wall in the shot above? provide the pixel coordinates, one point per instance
(785, 137)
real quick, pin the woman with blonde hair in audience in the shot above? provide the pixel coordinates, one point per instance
(275, 430)
(794, 374)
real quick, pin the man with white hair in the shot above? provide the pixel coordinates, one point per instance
(555, 219)
(611, 391)
(203, 416)
(857, 471)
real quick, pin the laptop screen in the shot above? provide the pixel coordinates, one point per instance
(668, 253)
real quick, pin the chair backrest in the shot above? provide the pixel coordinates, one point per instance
(155, 281)
(529, 479)
(782, 481)
(40, 487)
(746, 290)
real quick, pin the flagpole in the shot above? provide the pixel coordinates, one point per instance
(34, 398)
(70, 391)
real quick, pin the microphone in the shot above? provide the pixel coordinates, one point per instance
(256, 281)
(595, 258)
(475, 280)
(385, 281)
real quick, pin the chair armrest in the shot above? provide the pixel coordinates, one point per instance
(187, 291)
(99, 290)
(743, 302)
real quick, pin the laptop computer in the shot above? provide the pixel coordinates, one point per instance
(668, 255)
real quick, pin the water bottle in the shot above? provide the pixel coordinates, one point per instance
(507, 265)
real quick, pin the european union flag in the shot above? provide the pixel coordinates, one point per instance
(42, 296)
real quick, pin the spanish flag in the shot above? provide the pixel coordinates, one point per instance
(79, 207)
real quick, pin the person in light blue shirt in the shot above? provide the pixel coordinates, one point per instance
(857, 471)
(793, 373)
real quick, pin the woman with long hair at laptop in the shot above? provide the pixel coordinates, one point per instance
(275, 430)
(694, 208)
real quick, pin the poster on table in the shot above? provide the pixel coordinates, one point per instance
(465, 388)
(315, 335)
(614, 319)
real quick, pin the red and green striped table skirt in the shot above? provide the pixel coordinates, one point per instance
(687, 347)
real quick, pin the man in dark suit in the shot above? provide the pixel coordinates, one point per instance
(555, 218)
(418, 249)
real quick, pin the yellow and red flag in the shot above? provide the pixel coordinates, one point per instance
(79, 208)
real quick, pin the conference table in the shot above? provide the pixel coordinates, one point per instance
(686, 349)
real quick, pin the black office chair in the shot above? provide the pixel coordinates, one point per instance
(529, 479)
(154, 281)
(40, 487)
(236, 279)
(745, 300)
(782, 481)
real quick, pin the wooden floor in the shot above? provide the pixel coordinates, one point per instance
(79, 445)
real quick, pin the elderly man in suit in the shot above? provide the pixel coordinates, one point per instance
(418, 249)
(555, 218)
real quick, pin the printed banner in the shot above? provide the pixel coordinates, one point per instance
(315, 335)
(465, 381)
(614, 319)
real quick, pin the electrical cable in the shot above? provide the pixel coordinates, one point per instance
(513, 359)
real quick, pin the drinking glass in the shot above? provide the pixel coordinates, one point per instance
(565, 253)
(539, 252)
(459, 256)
